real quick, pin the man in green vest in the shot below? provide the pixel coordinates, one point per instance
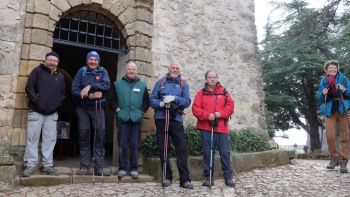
(130, 103)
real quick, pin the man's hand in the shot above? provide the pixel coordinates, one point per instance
(168, 99)
(325, 91)
(211, 116)
(84, 92)
(341, 87)
(95, 95)
(217, 115)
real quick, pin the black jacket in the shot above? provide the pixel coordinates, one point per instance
(45, 90)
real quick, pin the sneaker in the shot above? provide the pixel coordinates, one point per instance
(206, 182)
(29, 171)
(187, 185)
(50, 170)
(230, 182)
(121, 173)
(83, 171)
(166, 183)
(134, 174)
(343, 166)
(333, 162)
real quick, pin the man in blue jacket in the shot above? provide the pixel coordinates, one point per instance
(46, 91)
(131, 101)
(88, 88)
(172, 90)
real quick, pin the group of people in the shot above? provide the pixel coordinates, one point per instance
(212, 106)
(334, 99)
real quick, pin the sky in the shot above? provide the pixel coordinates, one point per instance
(262, 10)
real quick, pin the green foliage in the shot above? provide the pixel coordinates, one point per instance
(245, 141)
(293, 53)
(241, 141)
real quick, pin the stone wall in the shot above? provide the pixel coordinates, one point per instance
(218, 35)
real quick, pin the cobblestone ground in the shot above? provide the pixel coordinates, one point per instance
(301, 178)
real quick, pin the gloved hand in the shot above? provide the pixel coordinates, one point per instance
(168, 99)
(161, 104)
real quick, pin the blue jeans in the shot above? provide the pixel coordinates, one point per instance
(220, 141)
(129, 136)
(45, 125)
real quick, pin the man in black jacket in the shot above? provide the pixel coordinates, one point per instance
(46, 91)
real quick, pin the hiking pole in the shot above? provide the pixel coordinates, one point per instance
(102, 145)
(213, 125)
(165, 143)
(93, 146)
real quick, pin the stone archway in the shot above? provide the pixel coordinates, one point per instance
(133, 17)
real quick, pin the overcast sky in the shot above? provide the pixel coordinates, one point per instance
(263, 9)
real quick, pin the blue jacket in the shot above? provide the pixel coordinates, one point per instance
(98, 79)
(327, 110)
(168, 86)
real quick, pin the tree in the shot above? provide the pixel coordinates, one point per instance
(293, 62)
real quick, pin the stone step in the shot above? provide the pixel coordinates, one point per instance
(46, 180)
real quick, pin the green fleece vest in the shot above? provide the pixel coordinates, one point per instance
(130, 97)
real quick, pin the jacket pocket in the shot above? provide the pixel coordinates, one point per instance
(136, 116)
(123, 115)
(33, 115)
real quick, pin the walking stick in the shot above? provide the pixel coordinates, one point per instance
(166, 136)
(213, 125)
(102, 145)
(93, 146)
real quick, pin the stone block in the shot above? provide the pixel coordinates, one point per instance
(142, 179)
(97, 1)
(33, 64)
(144, 28)
(38, 52)
(16, 136)
(6, 160)
(116, 8)
(21, 84)
(8, 53)
(86, 2)
(63, 5)
(23, 66)
(49, 42)
(144, 15)
(98, 179)
(128, 16)
(5, 130)
(39, 36)
(30, 5)
(29, 20)
(25, 115)
(41, 21)
(74, 3)
(27, 35)
(17, 119)
(7, 177)
(149, 113)
(45, 180)
(42, 6)
(52, 25)
(143, 54)
(55, 13)
(21, 101)
(143, 41)
(128, 30)
(25, 51)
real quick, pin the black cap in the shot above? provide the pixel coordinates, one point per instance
(52, 53)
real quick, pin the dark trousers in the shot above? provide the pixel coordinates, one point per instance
(177, 135)
(220, 141)
(129, 136)
(87, 116)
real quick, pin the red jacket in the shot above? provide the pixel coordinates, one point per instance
(207, 102)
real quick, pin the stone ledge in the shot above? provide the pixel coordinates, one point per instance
(45, 180)
(6, 160)
(240, 162)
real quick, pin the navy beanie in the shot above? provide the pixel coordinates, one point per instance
(52, 53)
(93, 54)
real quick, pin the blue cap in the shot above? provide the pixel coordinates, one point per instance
(93, 54)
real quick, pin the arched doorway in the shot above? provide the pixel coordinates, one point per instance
(75, 34)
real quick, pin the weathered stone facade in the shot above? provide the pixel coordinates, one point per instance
(219, 35)
(205, 34)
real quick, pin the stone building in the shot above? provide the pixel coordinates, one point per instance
(200, 35)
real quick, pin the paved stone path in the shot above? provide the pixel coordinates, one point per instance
(301, 178)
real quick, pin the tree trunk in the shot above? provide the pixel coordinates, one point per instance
(314, 136)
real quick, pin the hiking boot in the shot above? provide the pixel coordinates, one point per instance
(187, 185)
(121, 173)
(83, 171)
(333, 162)
(230, 182)
(134, 174)
(100, 172)
(29, 171)
(343, 164)
(50, 170)
(206, 182)
(166, 183)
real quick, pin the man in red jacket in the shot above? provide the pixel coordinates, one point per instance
(213, 104)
